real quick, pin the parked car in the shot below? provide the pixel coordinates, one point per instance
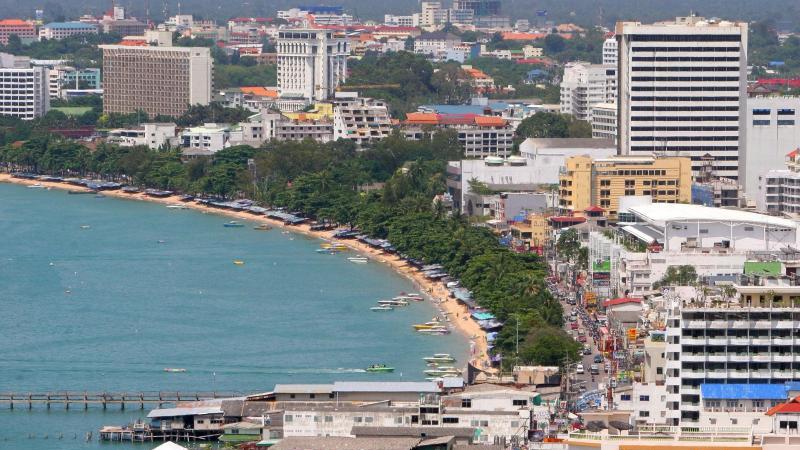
(594, 369)
(587, 350)
(579, 369)
(598, 358)
(582, 338)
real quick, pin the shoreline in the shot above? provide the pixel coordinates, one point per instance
(436, 293)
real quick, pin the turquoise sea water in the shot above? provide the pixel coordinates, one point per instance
(109, 307)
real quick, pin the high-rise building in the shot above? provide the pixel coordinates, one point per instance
(432, 14)
(159, 80)
(610, 52)
(773, 130)
(479, 7)
(778, 190)
(603, 118)
(23, 89)
(311, 64)
(747, 341)
(682, 90)
(585, 85)
(361, 120)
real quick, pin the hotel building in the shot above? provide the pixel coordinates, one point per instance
(682, 90)
(311, 64)
(61, 30)
(585, 85)
(162, 80)
(23, 89)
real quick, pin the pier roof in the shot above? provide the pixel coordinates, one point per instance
(303, 388)
(385, 386)
(178, 412)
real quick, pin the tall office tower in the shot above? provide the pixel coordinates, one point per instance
(479, 7)
(159, 80)
(23, 89)
(311, 64)
(432, 14)
(682, 90)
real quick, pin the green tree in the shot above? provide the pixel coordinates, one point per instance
(544, 125)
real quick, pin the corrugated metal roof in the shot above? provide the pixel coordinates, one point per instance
(385, 386)
(303, 388)
(177, 412)
(743, 391)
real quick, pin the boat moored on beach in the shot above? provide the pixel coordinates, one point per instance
(262, 227)
(358, 259)
(177, 206)
(392, 303)
(233, 224)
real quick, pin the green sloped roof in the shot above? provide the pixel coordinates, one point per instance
(762, 268)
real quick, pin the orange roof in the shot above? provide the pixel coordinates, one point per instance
(259, 91)
(511, 36)
(13, 22)
(134, 43)
(422, 118)
(476, 73)
(790, 407)
(793, 153)
(490, 121)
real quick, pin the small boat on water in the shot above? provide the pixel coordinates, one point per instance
(174, 370)
(177, 206)
(439, 372)
(435, 330)
(428, 325)
(379, 368)
(36, 186)
(262, 227)
(238, 262)
(85, 227)
(233, 224)
(440, 358)
(392, 303)
(327, 251)
(358, 259)
(381, 308)
(334, 246)
(409, 298)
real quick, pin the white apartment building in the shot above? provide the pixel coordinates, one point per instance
(153, 135)
(750, 340)
(610, 52)
(773, 130)
(436, 45)
(585, 85)
(682, 89)
(481, 136)
(779, 190)
(603, 118)
(267, 126)
(61, 30)
(311, 64)
(401, 21)
(546, 156)
(361, 120)
(432, 14)
(210, 137)
(646, 401)
(24, 89)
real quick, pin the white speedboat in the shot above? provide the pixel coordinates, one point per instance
(381, 308)
(177, 206)
(358, 259)
(392, 303)
(440, 358)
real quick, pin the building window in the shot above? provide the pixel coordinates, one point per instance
(644, 413)
(288, 418)
(760, 123)
(784, 123)
(761, 112)
(644, 398)
(519, 402)
(449, 419)
(625, 397)
(466, 403)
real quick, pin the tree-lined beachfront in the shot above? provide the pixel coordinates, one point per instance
(386, 191)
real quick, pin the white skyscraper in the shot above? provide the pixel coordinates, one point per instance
(682, 90)
(24, 89)
(585, 85)
(610, 51)
(311, 64)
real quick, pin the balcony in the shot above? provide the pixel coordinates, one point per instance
(738, 357)
(740, 324)
(782, 341)
(719, 340)
(760, 357)
(693, 373)
(782, 374)
(696, 324)
(766, 373)
(718, 324)
(693, 340)
(784, 325)
(739, 341)
(738, 374)
(717, 357)
(762, 324)
(760, 341)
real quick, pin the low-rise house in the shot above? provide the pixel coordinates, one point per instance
(200, 419)
(152, 135)
(211, 137)
(480, 135)
(240, 432)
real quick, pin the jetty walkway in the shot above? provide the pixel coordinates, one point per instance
(104, 399)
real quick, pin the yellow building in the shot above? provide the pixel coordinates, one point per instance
(321, 111)
(585, 182)
(534, 231)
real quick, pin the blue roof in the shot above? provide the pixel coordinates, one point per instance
(69, 25)
(743, 391)
(464, 109)
(792, 386)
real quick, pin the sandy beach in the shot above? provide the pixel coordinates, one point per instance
(435, 291)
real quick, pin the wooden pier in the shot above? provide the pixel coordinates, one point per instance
(104, 399)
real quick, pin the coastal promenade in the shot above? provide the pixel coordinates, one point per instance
(435, 291)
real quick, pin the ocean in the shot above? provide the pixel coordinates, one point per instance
(102, 294)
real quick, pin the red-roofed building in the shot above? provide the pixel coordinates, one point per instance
(621, 301)
(25, 30)
(785, 417)
(479, 80)
(512, 36)
(481, 136)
